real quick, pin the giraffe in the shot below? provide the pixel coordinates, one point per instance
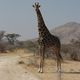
(46, 40)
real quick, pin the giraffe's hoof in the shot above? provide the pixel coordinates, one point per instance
(58, 70)
(40, 71)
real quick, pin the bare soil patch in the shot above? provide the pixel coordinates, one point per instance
(70, 69)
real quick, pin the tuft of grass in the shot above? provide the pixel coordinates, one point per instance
(21, 62)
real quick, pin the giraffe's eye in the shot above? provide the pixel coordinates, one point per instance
(39, 5)
(33, 6)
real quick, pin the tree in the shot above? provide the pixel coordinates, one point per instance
(2, 43)
(2, 34)
(12, 38)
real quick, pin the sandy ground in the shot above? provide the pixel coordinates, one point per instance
(23, 65)
(10, 70)
(70, 69)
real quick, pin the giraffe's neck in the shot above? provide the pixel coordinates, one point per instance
(43, 31)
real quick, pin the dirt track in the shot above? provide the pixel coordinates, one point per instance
(10, 70)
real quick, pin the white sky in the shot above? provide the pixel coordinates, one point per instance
(18, 15)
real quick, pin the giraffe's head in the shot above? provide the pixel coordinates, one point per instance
(36, 6)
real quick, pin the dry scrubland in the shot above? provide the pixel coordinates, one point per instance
(31, 64)
(23, 65)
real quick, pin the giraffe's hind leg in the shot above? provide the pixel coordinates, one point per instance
(58, 64)
(56, 51)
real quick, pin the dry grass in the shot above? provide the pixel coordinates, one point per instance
(68, 67)
(30, 63)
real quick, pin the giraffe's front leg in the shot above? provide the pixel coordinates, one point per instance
(41, 60)
(40, 70)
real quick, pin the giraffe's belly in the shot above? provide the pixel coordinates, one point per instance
(48, 42)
